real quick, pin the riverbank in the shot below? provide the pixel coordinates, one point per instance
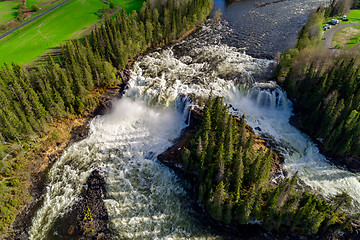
(49, 148)
(347, 161)
(173, 158)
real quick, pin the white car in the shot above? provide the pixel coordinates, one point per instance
(334, 21)
(327, 26)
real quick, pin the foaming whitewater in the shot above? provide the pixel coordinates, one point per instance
(145, 200)
(205, 68)
(268, 113)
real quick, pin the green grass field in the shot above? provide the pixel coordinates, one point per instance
(346, 38)
(71, 20)
(37, 2)
(8, 11)
(354, 14)
(48, 31)
(129, 5)
(354, 17)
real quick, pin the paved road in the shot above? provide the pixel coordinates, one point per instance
(33, 19)
(329, 34)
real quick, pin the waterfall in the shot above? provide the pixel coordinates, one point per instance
(268, 112)
(145, 200)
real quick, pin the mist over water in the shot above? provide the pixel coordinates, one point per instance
(204, 70)
(268, 113)
(145, 200)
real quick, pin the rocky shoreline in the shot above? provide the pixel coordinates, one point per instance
(22, 222)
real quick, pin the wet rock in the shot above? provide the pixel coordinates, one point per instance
(92, 216)
(88, 218)
(258, 129)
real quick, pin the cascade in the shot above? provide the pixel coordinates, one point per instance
(145, 200)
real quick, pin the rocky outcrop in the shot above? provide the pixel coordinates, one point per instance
(92, 216)
(88, 219)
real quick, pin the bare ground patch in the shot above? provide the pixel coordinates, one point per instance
(346, 37)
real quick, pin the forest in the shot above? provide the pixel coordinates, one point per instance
(234, 183)
(64, 85)
(325, 88)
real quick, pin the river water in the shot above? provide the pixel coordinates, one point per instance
(146, 200)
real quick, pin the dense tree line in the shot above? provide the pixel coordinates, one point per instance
(341, 7)
(356, 4)
(311, 33)
(234, 179)
(31, 99)
(326, 90)
(125, 36)
(330, 101)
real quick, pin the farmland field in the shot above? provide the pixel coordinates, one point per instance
(37, 2)
(36, 38)
(8, 11)
(129, 5)
(71, 20)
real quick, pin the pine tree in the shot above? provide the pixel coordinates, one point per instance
(218, 202)
(221, 164)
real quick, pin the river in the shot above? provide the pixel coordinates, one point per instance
(145, 199)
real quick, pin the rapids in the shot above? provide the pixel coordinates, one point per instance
(145, 200)
(208, 69)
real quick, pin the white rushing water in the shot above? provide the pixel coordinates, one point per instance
(205, 68)
(145, 200)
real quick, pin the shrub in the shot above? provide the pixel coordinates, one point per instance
(34, 8)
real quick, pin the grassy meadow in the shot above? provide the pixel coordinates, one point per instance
(129, 5)
(70, 21)
(37, 2)
(346, 38)
(354, 14)
(8, 11)
(48, 31)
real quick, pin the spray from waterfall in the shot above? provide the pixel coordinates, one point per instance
(145, 200)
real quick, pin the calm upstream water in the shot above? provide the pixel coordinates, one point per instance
(145, 199)
(268, 30)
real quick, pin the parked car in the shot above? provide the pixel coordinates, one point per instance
(334, 21)
(327, 26)
(346, 19)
